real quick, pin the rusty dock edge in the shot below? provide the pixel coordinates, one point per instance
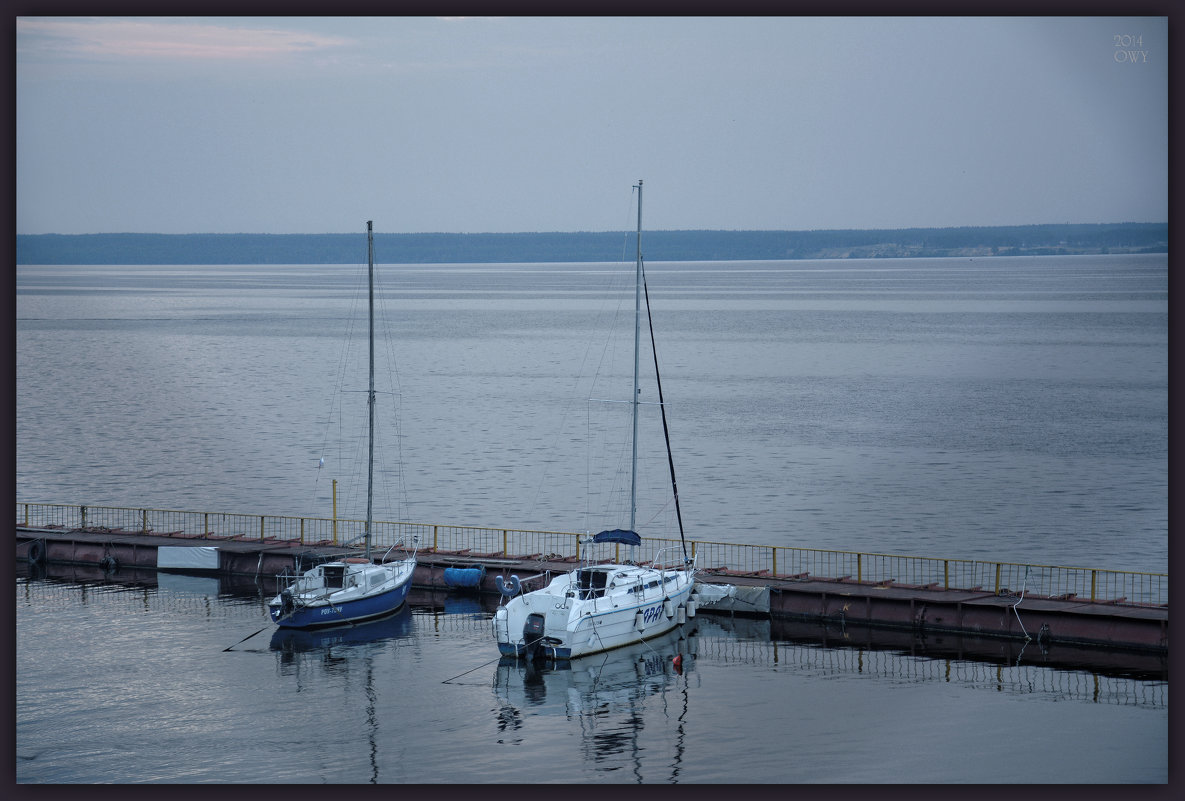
(888, 605)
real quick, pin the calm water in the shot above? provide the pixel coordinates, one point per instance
(1011, 409)
(1008, 409)
(122, 683)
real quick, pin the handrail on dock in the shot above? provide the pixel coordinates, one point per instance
(1119, 587)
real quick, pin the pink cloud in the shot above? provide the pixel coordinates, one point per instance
(153, 39)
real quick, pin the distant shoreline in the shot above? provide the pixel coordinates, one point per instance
(606, 246)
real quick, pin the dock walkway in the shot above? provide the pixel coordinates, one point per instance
(925, 609)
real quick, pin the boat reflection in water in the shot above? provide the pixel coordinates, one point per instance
(613, 696)
(289, 643)
(323, 657)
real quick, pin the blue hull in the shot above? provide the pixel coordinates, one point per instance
(372, 606)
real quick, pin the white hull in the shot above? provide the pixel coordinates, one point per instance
(594, 609)
(601, 607)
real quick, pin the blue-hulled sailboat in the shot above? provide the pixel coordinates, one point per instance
(352, 589)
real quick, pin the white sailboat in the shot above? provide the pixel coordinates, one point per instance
(599, 607)
(356, 588)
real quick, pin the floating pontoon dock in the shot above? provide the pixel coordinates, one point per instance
(1026, 603)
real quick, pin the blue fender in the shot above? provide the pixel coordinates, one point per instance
(508, 588)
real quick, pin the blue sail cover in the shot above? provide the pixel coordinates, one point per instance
(624, 536)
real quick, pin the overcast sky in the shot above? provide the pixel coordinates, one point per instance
(315, 125)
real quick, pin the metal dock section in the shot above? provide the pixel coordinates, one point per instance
(1072, 607)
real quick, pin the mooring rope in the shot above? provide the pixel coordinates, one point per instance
(467, 672)
(249, 636)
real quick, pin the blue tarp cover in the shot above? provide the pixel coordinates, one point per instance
(464, 576)
(624, 536)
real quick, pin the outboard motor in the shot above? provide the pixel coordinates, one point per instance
(533, 635)
(287, 603)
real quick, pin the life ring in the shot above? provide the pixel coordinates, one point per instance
(508, 588)
(36, 552)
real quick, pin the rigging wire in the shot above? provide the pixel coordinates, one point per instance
(663, 408)
(337, 394)
(400, 501)
(349, 450)
(610, 297)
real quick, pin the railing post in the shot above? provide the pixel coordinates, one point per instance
(577, 547)
(26, 515)
(859, 567)
(1093, 583)
(143, 521)
(997, 578)
(83, 511)
(946, 573)
(774, 551)
(302, 531)
(205, 523)
(435, 530)
(505, 548)
(261, 526)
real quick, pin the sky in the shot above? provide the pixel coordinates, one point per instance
(512, 124)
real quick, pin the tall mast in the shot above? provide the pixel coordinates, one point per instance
(637, 352)
(370, 393)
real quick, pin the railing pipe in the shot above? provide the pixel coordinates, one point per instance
(1133, 588)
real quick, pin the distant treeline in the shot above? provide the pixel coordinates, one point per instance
(588, 246)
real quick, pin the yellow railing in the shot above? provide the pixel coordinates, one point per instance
(1116, 586)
